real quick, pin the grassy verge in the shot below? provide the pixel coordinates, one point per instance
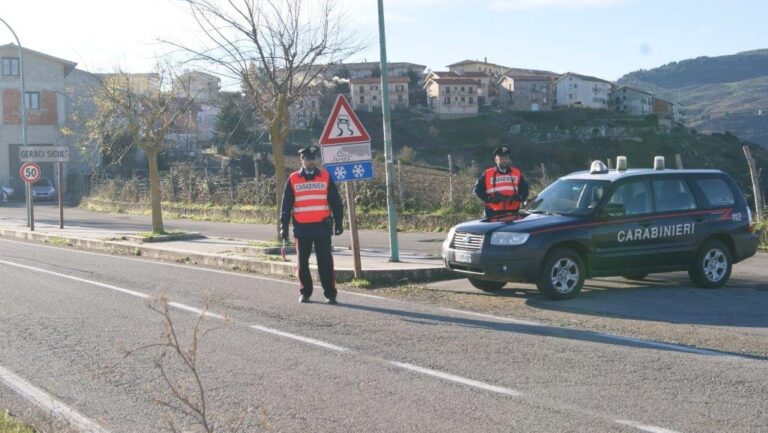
(150, 235)
(9, 424)
(762, 230)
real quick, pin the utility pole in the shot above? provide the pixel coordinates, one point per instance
(391, 213)
(25, 140)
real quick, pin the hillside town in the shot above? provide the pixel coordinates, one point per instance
(59, 96)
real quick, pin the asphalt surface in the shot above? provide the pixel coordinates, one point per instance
(368, 364)
(47, 212)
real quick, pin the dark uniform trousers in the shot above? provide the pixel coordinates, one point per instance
(324, 254)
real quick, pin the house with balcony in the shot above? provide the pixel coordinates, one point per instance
(464, 66)
(576, 90)
(366, 93)
(45, 98)
(453, 97)
(632, 101)
(486, 92)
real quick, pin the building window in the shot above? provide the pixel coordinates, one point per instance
(362, 89)
(462, 88)
(374, 97)
(471, 100)
(399, 98)
(447, 100)
(32, 100)
(471, 90)
(399, 88)
(10, 66)
(463, 99)
(362, 99)
(312, 104)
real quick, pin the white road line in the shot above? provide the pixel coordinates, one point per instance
(300, 338)
(633, 340)
(115, 288)
(490, 316)
(46, 402)
(457, 379)
(645, 428)
(78, 279)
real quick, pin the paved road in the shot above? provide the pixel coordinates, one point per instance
(369, 364)
(370, 239)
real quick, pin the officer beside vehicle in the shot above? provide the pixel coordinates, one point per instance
(502, 187)
(312, 202)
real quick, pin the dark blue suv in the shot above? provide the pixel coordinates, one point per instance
(604, 222)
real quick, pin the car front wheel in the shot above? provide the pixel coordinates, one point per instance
(562, 275)
(713, 265)
(487, 286)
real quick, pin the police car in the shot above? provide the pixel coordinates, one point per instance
(605, 222)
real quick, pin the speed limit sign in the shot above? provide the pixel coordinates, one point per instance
(30, 172)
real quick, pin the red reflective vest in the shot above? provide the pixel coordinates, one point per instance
(310, 197)
(502, 184)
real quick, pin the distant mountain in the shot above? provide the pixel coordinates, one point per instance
(718, 94)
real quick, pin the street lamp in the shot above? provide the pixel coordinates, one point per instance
(23, 108)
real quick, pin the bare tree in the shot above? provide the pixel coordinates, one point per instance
(277, 49)
(142, 107)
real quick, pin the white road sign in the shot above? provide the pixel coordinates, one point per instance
(44, 154)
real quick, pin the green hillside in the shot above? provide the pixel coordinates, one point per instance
(565, 141)
(718, 94)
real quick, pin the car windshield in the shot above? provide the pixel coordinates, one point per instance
(43, 183)
(569, 197)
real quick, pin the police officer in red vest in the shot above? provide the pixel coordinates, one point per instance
(502, 187)
(312, 202)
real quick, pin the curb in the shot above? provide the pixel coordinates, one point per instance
(225, 262)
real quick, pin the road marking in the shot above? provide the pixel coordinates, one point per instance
(46, 402)
(614, 337)
(115, 288)
(646, 428)
(300, 338)
(458, 379)
(490, 316)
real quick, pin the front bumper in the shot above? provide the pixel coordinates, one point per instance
(517, 263)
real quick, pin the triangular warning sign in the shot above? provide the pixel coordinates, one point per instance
(343, 126)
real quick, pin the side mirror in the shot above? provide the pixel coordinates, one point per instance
(612, 210)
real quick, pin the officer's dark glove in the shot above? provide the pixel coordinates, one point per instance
(494, 199)
(339, 229)
(284, 233)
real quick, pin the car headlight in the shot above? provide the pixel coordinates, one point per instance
(509, 238)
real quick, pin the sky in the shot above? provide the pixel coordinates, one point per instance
(603, 38)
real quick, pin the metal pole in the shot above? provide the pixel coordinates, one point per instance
(393, 248)
(61, 204)
(24, 138)
(400, 181)
(352, 214)
(450, 179)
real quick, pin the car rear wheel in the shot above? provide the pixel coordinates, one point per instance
(487, 286)
(562, 275)
(635, 277)
(713, 265)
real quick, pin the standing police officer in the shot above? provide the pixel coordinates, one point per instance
(501, 187)
(312, 202)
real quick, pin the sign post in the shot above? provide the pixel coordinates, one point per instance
(57, 154)
(30, 173)
(347, 157)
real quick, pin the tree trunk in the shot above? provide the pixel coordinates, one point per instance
(154, 191)
(278, 132)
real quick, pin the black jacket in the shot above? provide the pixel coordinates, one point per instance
(305, 230)
(522, 188)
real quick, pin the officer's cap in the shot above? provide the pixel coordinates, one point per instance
(502, 151)
(310, 152)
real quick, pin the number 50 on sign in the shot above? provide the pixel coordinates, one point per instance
(30, 172)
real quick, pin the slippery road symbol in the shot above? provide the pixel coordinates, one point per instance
(343, 120)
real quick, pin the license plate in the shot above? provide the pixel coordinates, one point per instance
(463, 257)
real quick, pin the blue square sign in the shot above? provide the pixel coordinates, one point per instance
(351, 171)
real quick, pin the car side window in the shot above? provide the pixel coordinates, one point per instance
(672, 195)
(717, 192)
(632, 198)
